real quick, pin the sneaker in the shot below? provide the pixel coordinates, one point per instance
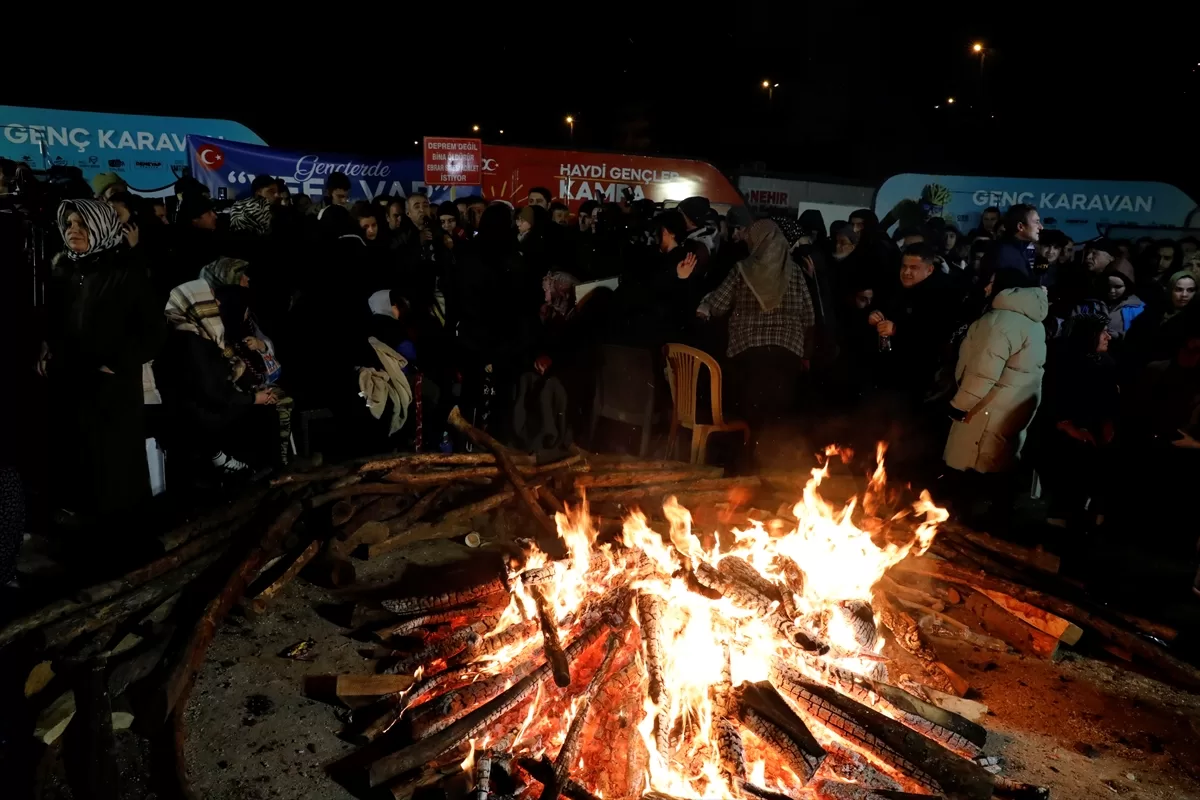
(229, 465)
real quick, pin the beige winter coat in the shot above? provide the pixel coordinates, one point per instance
(999, 376)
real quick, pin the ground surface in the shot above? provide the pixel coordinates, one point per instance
(1086, 728)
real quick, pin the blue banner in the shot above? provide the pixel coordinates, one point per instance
(232, 167)
(1077, 207)
(141, 149)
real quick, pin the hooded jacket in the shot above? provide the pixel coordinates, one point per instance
(999, 374)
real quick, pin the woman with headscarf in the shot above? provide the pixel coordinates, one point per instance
(1123, 305)
(1156, 333)
(803, 238)
(770, 325)
(207, 389)
(106, 326)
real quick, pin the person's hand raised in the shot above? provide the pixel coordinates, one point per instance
(685, 268)
(131, 233)
(266, 397)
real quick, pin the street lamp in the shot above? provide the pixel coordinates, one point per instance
(977, 47)
(981, 51)
(475, 128)
(770, 87)
(571, 125)
(950, 100)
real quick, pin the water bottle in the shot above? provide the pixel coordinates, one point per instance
(446, 446)
(885, 344)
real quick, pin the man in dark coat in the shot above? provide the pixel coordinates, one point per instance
(1016, 250)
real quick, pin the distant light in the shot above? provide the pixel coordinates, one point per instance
(776, 86)
(977, 47)
(950, 100)
(570, 120)
(414, 141)
(937, 106)
(766, 84)
(502, 131)
(475, 128)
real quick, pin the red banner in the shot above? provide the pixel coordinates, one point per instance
(453, 162)
(573, 177)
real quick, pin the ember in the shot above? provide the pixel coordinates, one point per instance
(756, 668)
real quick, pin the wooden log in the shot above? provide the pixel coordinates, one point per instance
(444, 648)
(333, 495)
(483, 439)
(260, 599)
(139, 661)
(1024, 638)
(1175, 669)
(331, 568)
(960, 706)
(635, 478)
(451, 524)
(747, 597)
(568, 753)
(768, 716)
(1146, 626)
(446, 600)
(650, 609)
(419, 460)
(236, 513)
(908, 635)
(371, 685)
(542, 771)
(373, 509)
(396, 705)
(921, 759)
(90, 746)
(93, 618)
(217, 609)
(705, 486)
(324, 474)
(454, 617)
(344, 510)
(402, 475)
(423, 750)
(934, 623)
(490, 646)
(550, 642)
(952, 731)
(419, 509)
(1030, 556)
(1063, 630)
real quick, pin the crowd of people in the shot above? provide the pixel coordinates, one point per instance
(976, 354)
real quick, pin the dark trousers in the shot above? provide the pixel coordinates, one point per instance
(765, 385)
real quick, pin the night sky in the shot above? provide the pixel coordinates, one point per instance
(862, 95)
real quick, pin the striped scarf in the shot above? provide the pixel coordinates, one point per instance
(101, 221)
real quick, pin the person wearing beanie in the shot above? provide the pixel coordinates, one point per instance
(1123, 305)
(695, 212)
(196, 210)
(106, 184)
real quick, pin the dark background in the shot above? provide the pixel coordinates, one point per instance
(1067, 91)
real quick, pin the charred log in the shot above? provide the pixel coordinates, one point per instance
(768, 716)
(445, 600)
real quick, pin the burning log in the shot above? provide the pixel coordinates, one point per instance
(398, 704)
(489, 646)
(568, 754)
(413, 624)
(747, 597)
(550, 642)
(449, 525)
(859, 618)
(650, 609)
(258, 604)
(731, 750)
(768, 716)
(635, 478)
(483, 439)
(919, 758)
(908, 635)
(444, 648)
(738, 571)
(952, 731)
(470, 725)
(935, 623)
(445, 600)
(542, 771)
(830, 789)
(1176, 670)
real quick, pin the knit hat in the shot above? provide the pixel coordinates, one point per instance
(695, 209)
(103, 181)
(527, 214)
(737, 217)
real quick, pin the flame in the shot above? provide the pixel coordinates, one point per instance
(707, 644)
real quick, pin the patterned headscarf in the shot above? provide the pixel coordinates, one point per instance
(102, 223)
(224, 271)
(766, 270)
(252, 215)
(790, 227)
(560, 291)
